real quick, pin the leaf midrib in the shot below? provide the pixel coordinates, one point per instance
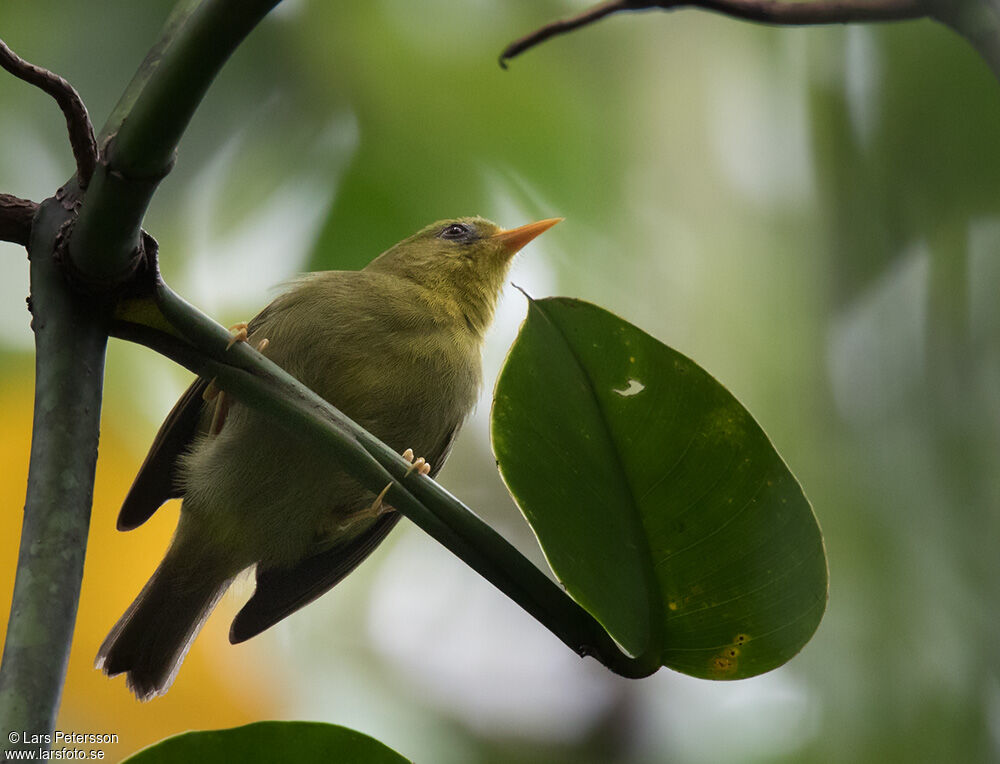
(656, 596)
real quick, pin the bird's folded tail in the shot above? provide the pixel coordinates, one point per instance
(149, 642)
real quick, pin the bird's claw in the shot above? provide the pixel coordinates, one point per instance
(419, 464)
(212, 390)
(377, 507)
(237, 333)
(372, 511)
(220, 413)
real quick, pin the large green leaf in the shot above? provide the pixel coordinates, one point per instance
(659, 502)
(270, 741)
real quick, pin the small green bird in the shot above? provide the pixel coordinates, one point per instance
(395, 346)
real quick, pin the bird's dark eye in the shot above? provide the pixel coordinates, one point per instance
(456, 232)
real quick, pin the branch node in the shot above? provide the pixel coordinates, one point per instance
(116, 171)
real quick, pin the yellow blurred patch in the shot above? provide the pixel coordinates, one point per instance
(218, 685)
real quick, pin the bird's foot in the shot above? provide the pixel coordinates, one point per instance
(371, 512)
(237, 333)
(377, 507)
(419, 464)
(220, 413)
(214, 392)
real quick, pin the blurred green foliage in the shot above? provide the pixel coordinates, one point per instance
(811, 215)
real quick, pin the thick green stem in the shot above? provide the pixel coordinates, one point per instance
(70, 341)
(178, 17)
(71, 337)
(260, 383)
(104, 248)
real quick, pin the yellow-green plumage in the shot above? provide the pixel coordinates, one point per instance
(397, 347)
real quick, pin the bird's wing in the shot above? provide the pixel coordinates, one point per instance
(282, 591)
(157, 478)
(437, 460)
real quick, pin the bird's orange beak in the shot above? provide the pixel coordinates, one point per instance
(515, 238)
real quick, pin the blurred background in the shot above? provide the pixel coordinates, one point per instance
(812, 215)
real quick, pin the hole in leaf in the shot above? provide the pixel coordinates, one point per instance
(634, 387)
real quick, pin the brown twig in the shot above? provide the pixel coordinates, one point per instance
(81, 131)
(761, 11)
(16, 216)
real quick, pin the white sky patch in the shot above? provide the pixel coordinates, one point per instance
(34, 172)
(527, 683)
(15, 329)
(530, 271)
(876, 348)
(236, 271)
(761, 719)
(759, 123)
(862, 76)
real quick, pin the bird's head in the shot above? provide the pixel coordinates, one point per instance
(461, 262)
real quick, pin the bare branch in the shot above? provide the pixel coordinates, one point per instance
(16, 216)
(81, 131)
(772, 12)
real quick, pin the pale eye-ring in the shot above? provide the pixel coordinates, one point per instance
(456, 231)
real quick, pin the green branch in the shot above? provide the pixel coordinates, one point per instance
(147, 126)
(70, 340)
(258, 382)
(178, 17)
